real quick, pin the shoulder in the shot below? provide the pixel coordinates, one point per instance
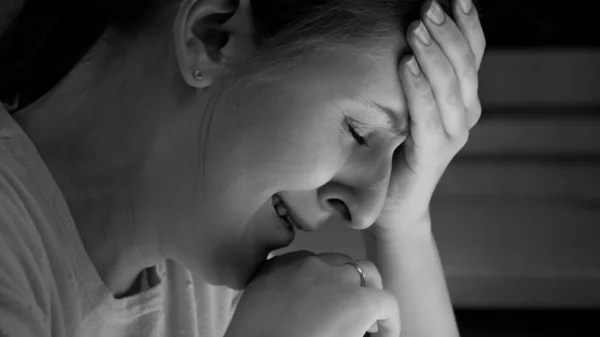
(29, 226)
(37, 287)
(23, 292)
(21, 248)
(24, 266)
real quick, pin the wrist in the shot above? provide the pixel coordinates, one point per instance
(401, 228)
(412, 192)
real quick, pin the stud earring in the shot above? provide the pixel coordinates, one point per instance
(197, 75)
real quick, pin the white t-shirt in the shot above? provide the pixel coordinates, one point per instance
(48, 285)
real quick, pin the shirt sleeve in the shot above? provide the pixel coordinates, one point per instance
(23, 293)
(18, 318)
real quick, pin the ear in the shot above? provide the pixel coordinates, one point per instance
(209, 34)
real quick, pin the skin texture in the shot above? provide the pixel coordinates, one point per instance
(444, 105)
(127, 139)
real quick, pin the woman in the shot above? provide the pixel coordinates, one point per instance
(186, 133)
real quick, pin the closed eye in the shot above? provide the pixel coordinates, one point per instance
(360, 140)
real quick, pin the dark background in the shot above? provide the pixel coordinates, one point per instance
(481, 240)
(540, 24)
(536, 26)
(564, 224)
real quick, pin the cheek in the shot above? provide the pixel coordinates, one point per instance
(305, 160)
(292, 141)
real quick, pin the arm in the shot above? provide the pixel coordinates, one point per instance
(410, 268)
(440, 84)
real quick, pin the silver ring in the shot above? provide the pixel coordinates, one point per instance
(363, 281)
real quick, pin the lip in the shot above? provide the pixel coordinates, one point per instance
(297, 224)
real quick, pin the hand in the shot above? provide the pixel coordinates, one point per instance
(301, 294)
(443, 105)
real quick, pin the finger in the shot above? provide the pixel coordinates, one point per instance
(383, 308)
(335, 259)
(283, 259)
(349, 274)
(372, 276)
(467, 20)
(370, 272)
(458, 51)
(292, 256)
(425, 118)
(442, 79)
(372, 280)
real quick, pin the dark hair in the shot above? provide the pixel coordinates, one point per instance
(48, 38)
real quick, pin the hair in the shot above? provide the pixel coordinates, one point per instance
(48, 38)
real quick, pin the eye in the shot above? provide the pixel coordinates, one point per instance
(360, 140)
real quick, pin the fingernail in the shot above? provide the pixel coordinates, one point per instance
(413, 66)
(435, 13)
(465, 6)
(423, 34)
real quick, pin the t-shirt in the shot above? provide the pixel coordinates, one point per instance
(48, 284)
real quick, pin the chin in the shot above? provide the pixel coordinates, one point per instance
(236, 272)
(236, 282)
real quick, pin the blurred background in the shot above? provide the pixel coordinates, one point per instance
(517, 214)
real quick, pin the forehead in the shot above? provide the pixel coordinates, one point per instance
(349, 74)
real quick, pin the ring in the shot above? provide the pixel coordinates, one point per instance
(363, 282)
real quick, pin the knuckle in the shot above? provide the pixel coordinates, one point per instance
(367, 263)
(454, 96)
(372, 303)
(368, 266)
(391, 296)
(434, 124)
(371, 273)
(474, 78)
(334, 259)
(310, 263)
(294, 257)
(439, 61)
(477, 107)
(425, 93)
(454, 35)
(363, 299)
(461, 139)
(471, 62)
(476, 111)
(483, 41)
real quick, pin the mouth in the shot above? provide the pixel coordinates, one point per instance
(284, 213)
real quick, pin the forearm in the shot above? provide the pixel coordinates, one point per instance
(410, 267)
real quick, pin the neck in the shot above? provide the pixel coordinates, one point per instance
(85, 138)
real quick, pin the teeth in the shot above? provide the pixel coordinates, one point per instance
(278, 205)
(290, 221)
(280, 209)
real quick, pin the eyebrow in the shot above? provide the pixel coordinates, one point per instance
(399, 125)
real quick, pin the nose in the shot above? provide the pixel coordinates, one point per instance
(359, 204)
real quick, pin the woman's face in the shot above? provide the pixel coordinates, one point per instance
(288, 137)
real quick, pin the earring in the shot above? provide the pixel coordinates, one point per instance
(197, 75)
